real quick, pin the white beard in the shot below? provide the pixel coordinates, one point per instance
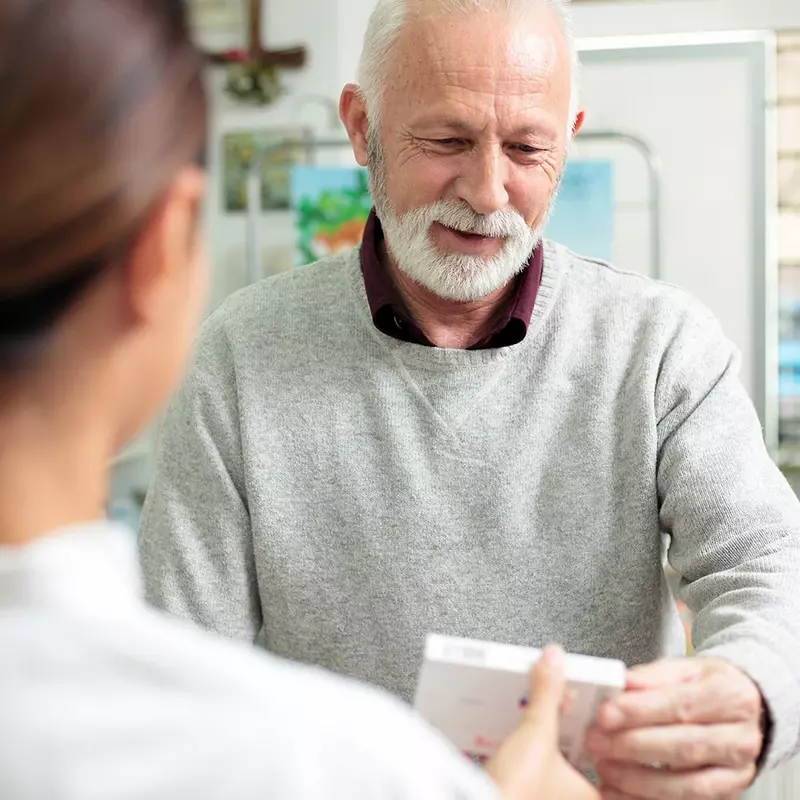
(447, 274)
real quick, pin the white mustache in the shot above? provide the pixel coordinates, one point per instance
(459, 216)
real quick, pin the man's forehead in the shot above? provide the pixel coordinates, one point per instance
(482, 54)
(466, 73)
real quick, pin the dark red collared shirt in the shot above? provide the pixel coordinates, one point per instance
(391, 317)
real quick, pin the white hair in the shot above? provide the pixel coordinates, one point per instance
(387, 21)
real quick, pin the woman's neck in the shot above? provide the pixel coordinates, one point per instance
(53, 468)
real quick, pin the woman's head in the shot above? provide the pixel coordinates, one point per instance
(102, 128)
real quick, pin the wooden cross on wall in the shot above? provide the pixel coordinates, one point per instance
(256, 53)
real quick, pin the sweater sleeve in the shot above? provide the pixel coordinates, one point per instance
(733, 519)
(195, 541)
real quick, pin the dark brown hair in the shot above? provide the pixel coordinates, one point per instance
(101, 103)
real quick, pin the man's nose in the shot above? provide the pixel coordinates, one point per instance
(483, 182)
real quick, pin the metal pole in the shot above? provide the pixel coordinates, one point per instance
(253, 271)
(653, 164)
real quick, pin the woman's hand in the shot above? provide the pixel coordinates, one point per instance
(529, 765)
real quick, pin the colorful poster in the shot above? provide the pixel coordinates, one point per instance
(583, 214)
(331, 207)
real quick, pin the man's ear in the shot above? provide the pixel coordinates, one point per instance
(165, 245)
(578, 124)
(353, 114)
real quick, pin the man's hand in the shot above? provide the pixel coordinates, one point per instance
(529, 765)
(684, 728)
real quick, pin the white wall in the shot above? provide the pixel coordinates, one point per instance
(622, 18)
(679, 16)
(313, 23)
(694, 106)
(333, 31)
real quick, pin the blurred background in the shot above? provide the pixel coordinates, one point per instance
(687, 170)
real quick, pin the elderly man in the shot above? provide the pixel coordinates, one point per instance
(459, 428)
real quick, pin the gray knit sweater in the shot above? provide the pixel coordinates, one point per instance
(338, 494)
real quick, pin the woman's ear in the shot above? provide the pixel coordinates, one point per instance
(165, 246)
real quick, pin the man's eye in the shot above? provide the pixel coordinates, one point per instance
(527, 149)
(448, 142)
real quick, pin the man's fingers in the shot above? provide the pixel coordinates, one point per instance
(679, 704)
(664, 673)
(547, 684)
(653, 784)
(680, 747)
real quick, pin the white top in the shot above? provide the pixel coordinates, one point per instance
(102, 698)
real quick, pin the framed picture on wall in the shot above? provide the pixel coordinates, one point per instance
(331, 206)
(281, 150)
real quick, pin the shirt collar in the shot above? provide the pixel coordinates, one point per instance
(91, 568)
(391, 317)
